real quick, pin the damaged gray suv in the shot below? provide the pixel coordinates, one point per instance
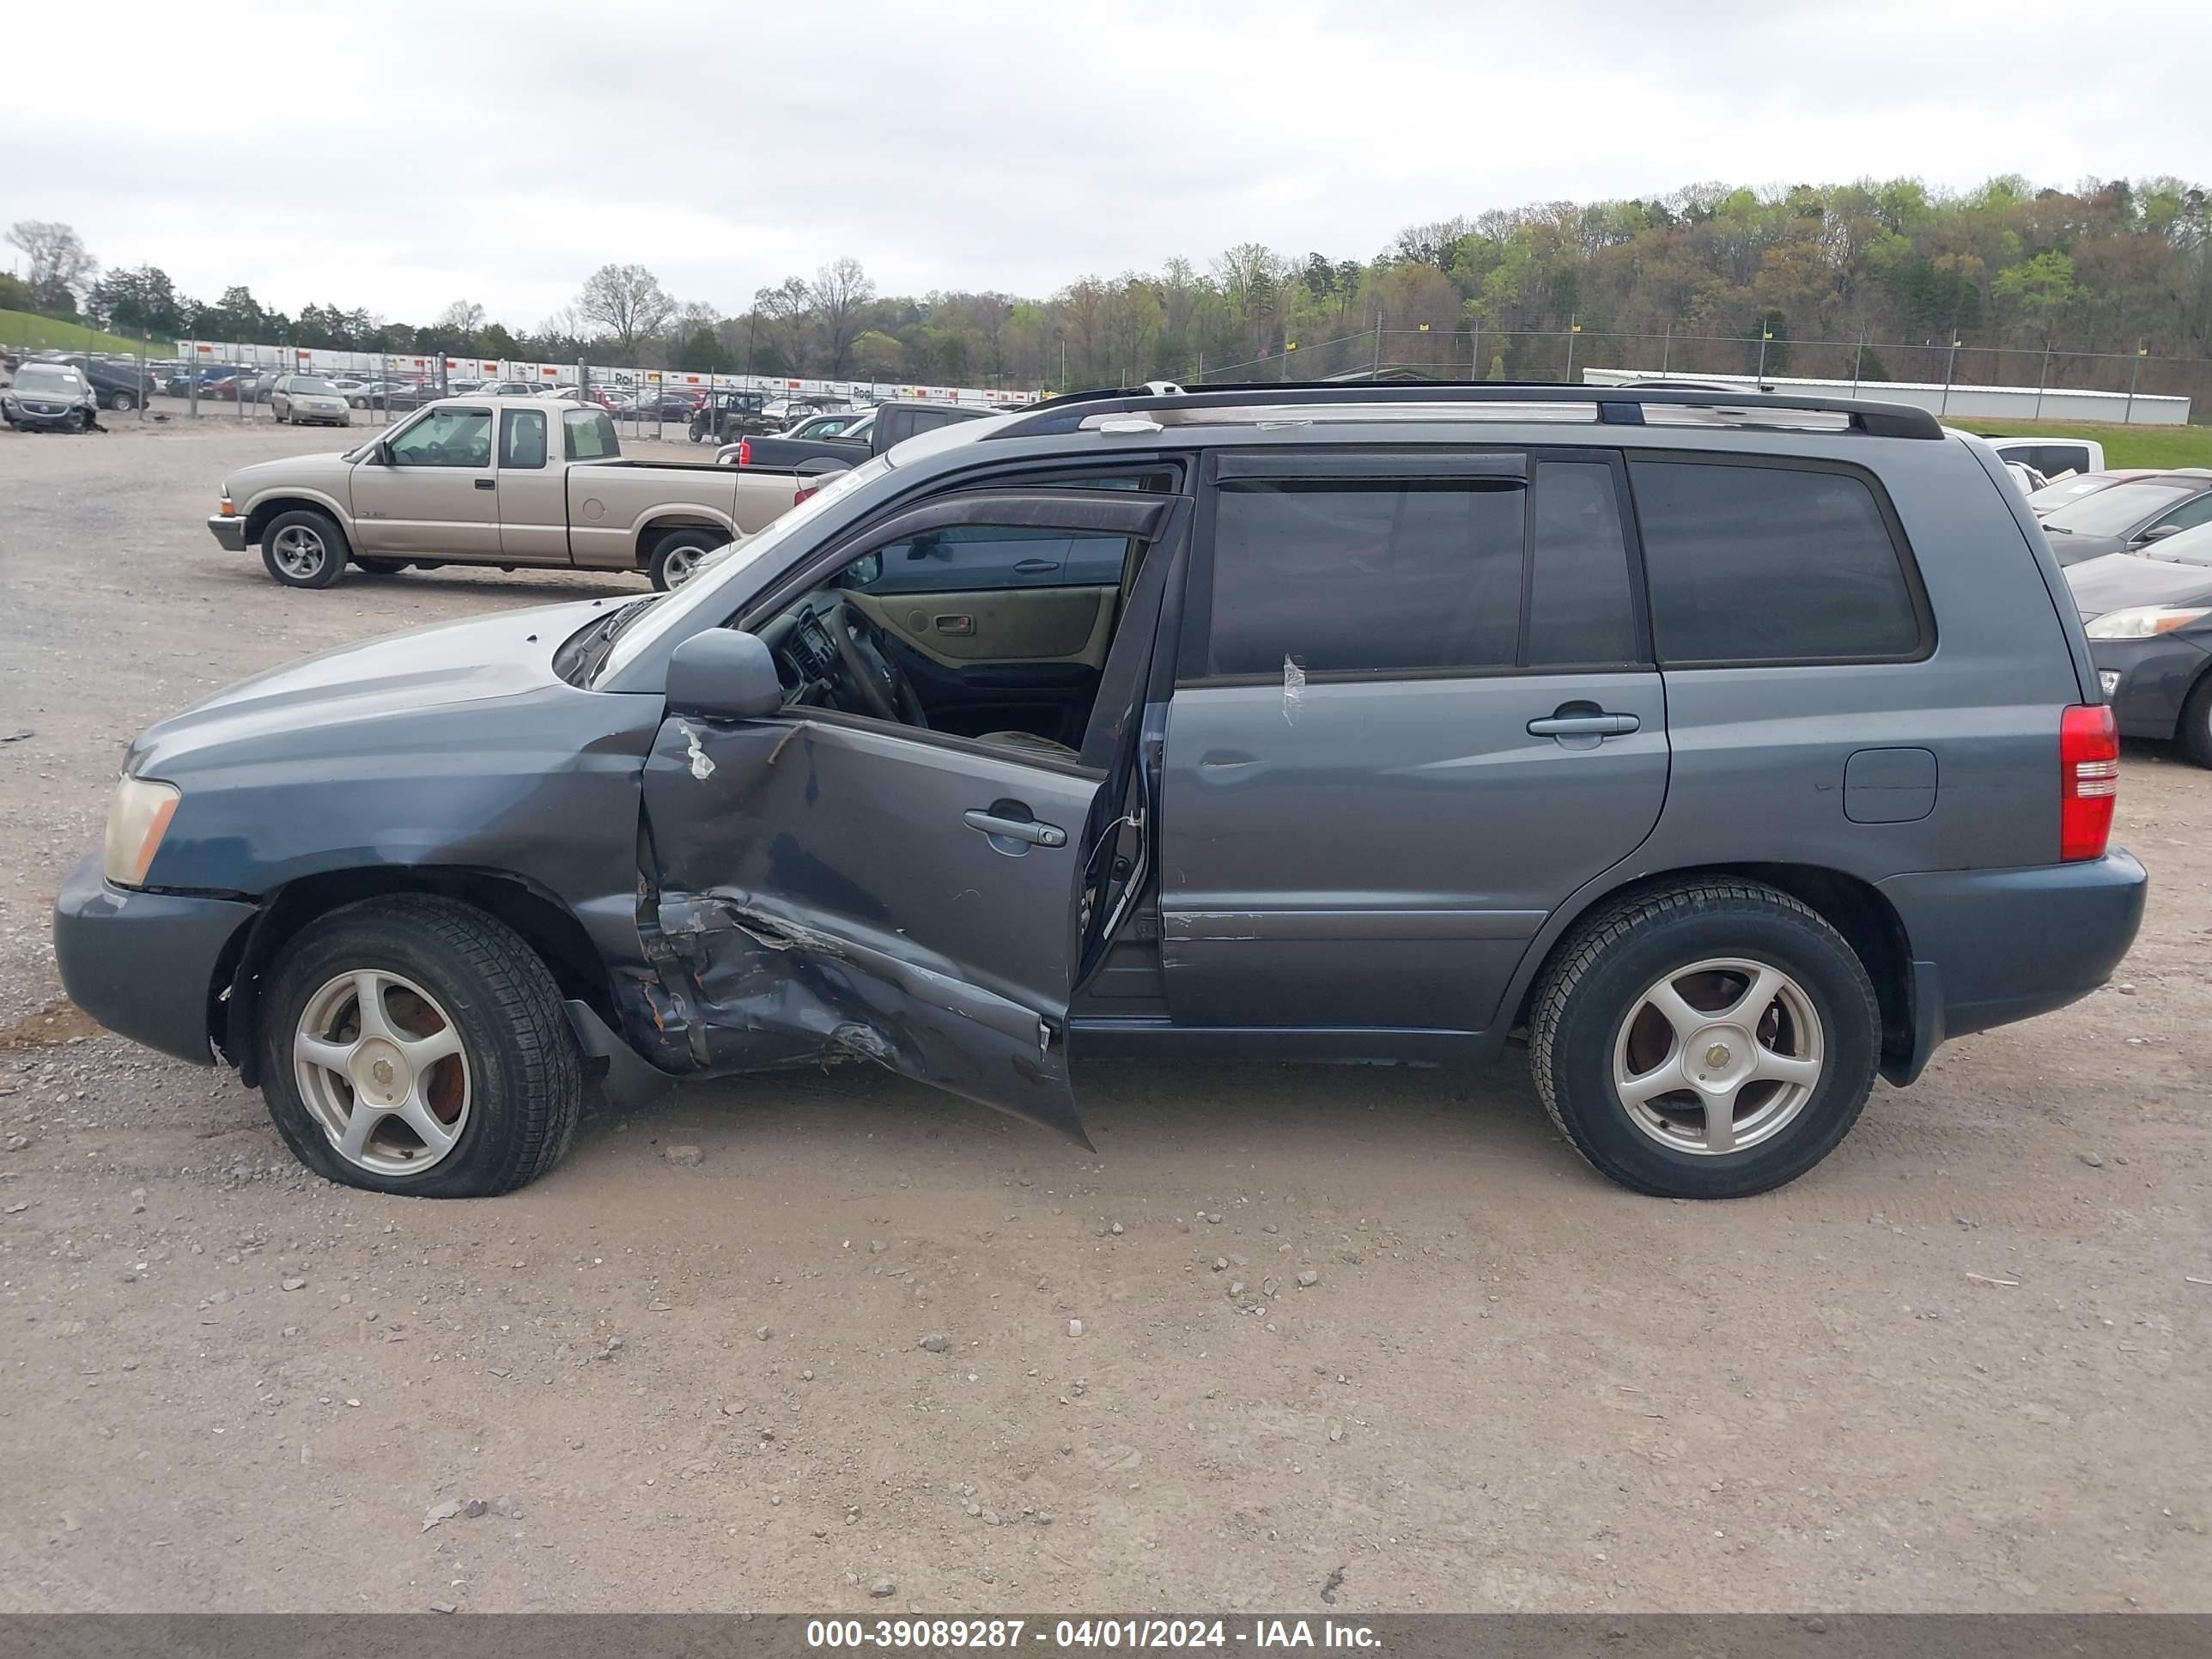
(1735, 752)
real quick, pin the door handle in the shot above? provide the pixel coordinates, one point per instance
(1028, 830)
(487, 483)
(1584, 726)
(1035, 567)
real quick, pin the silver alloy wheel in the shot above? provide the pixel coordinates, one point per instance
(678, 567)
(1717, 1056)
(381, 1067)
(300, 552)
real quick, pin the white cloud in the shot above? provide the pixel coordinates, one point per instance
(399, 155)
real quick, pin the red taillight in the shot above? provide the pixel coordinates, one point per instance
(803, 492)
(745, 452)
(2089, 779)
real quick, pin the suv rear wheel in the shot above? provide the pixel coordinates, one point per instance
(1712, 1040)
(416, 1045)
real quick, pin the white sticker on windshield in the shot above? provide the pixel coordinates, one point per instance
(1294, 691)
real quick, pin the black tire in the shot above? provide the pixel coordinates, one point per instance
(1600, 974)
(2194, 731)
(381, 567)
(310, 522)
(122, 403)
(690, 542)
(525, 1077)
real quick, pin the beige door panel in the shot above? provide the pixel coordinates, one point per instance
(1012, 624)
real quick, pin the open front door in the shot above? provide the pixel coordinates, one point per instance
(823, 884)
(828, 888)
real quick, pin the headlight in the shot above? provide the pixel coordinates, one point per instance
(137, 818)
(2145, 622)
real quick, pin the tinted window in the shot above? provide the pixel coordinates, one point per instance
(1344, 575)
(522, 438)
(1580, 609)
(447, 437)
(1756, 563)
(589, 434)
(2052, 459)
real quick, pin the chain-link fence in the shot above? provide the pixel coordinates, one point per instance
(2125, 387)
(203, 380)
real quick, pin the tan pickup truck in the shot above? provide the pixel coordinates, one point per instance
(510, 481)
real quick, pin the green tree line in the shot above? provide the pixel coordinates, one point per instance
(1724, 277)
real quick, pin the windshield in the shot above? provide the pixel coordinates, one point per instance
(707, 591)
(44, 376)
(313, 388)
(2190, 546)
(2109, 512)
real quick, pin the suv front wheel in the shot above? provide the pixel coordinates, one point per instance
(416, 1045)
(1712, 1040)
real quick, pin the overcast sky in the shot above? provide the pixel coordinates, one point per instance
(400, 155)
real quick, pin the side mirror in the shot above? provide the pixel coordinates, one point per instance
(380, 453)
(724, 675)
(2158, 533)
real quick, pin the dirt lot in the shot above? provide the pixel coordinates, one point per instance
(1960, 1366)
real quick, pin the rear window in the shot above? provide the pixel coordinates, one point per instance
(589, 434)
(1770, 564)
(1345, 576)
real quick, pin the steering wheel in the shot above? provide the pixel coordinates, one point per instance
(869, 669)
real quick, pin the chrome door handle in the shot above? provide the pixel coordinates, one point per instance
(1028, 830)
(1584, 726)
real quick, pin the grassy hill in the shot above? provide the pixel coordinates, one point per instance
(27, 330)
(2125, 446)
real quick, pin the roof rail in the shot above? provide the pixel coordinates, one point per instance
(1615, 405)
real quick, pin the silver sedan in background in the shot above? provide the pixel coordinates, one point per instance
(300, 399)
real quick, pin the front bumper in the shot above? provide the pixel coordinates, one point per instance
(1993, 947)
(143, 965)
(229, 533)
(2147, 681)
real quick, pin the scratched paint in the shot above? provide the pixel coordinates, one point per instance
(1294, 691)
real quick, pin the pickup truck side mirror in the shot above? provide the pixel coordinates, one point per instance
(380, 453)
(721, 674)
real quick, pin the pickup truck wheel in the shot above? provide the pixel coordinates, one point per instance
(676, 555)
(303, 549)
(1712, 1040)
(122, 403)
(381, 567)
(416, 1045)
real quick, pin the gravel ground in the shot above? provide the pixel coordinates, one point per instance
(775, 1345)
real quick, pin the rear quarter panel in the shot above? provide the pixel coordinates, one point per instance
(1760, 753)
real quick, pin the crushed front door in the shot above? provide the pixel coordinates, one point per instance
(828, 887)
